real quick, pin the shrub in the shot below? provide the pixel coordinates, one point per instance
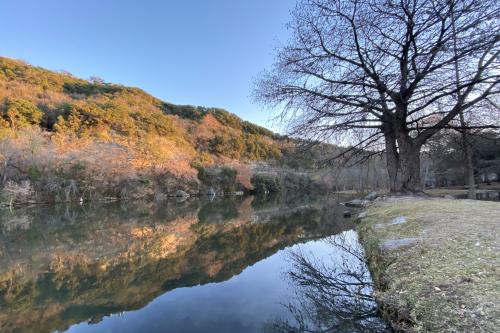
(91, 88)
(227, 145)
(265, 184)
(21, 113)
(186, 111)
(34, 173)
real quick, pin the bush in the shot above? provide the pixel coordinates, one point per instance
(186, 111)
(227, 145)
(21, 113)
(91, 88)
(34, 173)
(265, 184)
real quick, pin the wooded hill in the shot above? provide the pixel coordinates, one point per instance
(67, 137)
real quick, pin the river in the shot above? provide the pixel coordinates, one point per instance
(233, 264)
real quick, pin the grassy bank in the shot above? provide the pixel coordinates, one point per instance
(443, 275)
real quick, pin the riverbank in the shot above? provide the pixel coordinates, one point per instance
(435, 263)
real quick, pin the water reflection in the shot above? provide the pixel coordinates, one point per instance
(114, 267)
(333, 291)
(484, 196)
(488, 196)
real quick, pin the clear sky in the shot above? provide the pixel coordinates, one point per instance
(199, 52)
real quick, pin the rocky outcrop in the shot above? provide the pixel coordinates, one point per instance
(371, 196)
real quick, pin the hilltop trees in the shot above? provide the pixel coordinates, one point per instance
(382, 74)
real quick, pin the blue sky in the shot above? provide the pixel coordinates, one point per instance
(200, 52)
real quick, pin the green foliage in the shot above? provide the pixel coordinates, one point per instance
(257, 149)
(204, 176)
(227, 145)
(250, 128)
(228, 176)
(15, 70)
(265, 184)
(249, 147)
(186, 111)
(445, 150)
(34, 172)
(21, 113)
(156, 123)
(78, 119)
(203, 159)
(226, 118)
(486, 146)
(91, 88)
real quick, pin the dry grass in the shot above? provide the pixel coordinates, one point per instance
(448, 281)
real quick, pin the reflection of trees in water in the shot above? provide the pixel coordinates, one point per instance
(219, 210)
(91, 260)
(332, 293)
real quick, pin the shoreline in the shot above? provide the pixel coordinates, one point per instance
(5, 206)
(434, 263)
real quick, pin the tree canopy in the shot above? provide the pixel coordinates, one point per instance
(385, 74)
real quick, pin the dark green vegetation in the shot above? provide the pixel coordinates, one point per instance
(61, 265)
(265, 184)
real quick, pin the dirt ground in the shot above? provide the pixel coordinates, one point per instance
(435, 263)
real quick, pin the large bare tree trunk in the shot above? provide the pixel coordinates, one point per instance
(409, 180)
(392, 159)
(403, 164)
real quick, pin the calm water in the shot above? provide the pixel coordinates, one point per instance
(227, 265)
(484, 196)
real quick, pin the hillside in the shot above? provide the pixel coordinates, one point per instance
(65, 138)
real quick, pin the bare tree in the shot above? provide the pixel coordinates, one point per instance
(380, 74)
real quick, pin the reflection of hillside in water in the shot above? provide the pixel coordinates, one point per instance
(60, 265)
